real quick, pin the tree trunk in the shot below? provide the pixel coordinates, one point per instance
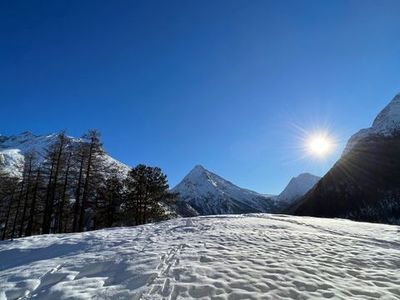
(46, 216)
(29, 227)
(56, 173)
(85, 189)
(21, 229)
(8, 216)
(18, 206)
(78, 196)
(64, 195)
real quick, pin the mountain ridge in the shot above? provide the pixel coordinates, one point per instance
(209, 193)
(200, 191)
(14, 148)
(364, 184)
(386, 123)
(297, 187)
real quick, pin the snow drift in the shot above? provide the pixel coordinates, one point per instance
(256, 256)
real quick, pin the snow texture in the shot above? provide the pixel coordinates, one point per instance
(255, 256)
(298, 187)
(209, 193)
(386, 124)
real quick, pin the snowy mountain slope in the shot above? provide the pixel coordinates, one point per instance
(386, 123)
(216, 257)
(14, 148)
(297, 187)
(210, 194)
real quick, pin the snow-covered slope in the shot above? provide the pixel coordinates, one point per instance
(14, 148)
(210, 194)
(298, 187)
(385, 124)
(220, 257)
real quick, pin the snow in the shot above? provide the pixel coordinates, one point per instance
(389, 118)
(298, 187)
(256, 256)
(10, 159)
(211, 194)
(386, 123)
(14, 148)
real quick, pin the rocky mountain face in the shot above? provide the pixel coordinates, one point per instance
(210, 194)
(297, 187)
(365, 183)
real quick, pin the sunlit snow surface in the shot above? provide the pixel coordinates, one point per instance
(223, 257)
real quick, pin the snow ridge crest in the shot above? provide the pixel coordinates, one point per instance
(386, 124)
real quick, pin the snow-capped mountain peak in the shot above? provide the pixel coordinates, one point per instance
(298, 187)
(198, 168)
(197, 173)
(389, 118)
(386, 123)
(200, 177)
(209, 193)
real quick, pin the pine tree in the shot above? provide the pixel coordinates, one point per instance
(93, 174)
(21, 187)
(30, 161)
(110, 197)
(8, 190)
(33, 207)
(147, 192)
(64, 194)
(80, 161)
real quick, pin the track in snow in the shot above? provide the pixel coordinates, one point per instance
(223, 257)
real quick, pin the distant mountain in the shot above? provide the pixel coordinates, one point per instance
(297, 187)
(210, 194)
(201, 192)
(365, 183)
(14, 148)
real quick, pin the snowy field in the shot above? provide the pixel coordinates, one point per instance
(224, 257)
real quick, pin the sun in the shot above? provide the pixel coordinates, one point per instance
(320, 144)
(317, 143)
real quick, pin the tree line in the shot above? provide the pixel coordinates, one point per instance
(72, 187)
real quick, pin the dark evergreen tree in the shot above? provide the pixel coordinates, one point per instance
(108, 202)
(21, 189)
(147, 194)
(30, 162)
(35, 199)
(8, 191)
(64, 195)
(93, 177)
(80, 162)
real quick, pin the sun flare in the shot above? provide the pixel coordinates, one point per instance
(320, 145)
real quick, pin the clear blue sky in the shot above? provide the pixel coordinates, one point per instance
(226, 84)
